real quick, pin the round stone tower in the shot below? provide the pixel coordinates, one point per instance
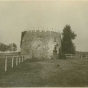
(41, 44)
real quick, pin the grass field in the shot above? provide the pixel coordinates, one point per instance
(46, 73)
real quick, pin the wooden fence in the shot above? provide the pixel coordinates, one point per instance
(19, 59)
(76, 56)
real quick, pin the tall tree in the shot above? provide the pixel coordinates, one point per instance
(3, 47)
(12, 47)
(68, 35)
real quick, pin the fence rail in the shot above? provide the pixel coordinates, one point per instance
(19, 59)
(76, 56)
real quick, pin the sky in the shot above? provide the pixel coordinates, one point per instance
(18, 16)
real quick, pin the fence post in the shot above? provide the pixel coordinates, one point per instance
(16, 60)
(12, 60)
(22, 58)
(19, 59)
(6, 63)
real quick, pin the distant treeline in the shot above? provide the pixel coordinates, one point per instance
(10, 47)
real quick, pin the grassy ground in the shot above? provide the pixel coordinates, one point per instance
(46, 73)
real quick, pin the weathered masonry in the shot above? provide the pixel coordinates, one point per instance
(41, 44)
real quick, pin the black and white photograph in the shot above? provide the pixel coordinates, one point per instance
(43, 43)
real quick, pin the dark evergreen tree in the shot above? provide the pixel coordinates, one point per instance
(67, 36)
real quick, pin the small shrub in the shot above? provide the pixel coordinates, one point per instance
(58, 65)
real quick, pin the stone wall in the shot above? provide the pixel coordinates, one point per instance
(41, 44)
